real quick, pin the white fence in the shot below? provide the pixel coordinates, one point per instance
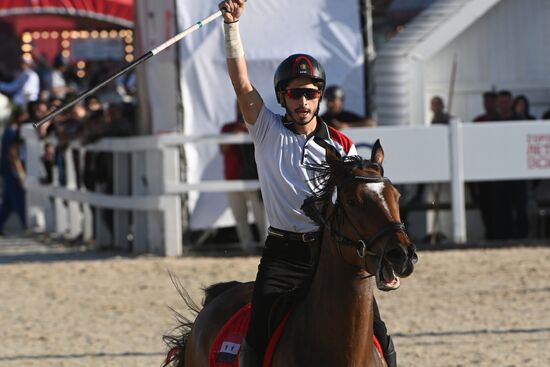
(147, 187)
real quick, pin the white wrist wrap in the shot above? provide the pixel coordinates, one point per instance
(233, 46)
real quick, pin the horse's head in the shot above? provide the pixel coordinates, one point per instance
(361, 213)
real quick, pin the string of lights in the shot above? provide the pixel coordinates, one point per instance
(67, 37)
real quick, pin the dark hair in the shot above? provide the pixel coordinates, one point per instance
(523, 98)
(17, 112)
(439, 99)
(505, 93)
(489, 94)
(91, 97)
(59, 61)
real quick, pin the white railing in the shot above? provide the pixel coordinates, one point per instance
(146, 183)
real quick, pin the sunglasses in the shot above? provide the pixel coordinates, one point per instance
(297, 93)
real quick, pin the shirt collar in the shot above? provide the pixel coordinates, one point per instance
(321, 130)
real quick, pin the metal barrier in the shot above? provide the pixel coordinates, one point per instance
(147, 186)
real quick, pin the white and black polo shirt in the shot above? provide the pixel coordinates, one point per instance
(282, 156)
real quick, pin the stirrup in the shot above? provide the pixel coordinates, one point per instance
(248, 356)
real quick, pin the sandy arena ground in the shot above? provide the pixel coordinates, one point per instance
(460, 308)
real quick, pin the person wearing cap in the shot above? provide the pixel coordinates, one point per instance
(336, 116)
(25, 87)
(285, 145)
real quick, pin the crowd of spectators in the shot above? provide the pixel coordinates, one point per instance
(34, 90)
(503, 205)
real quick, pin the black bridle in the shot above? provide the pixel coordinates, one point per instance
(362, 246)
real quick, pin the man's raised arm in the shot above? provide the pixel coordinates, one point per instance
(249, 99)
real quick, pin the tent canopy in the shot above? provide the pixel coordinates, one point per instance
(119, 12)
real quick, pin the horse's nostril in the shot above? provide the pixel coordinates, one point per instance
(411, 251)
(396, 255)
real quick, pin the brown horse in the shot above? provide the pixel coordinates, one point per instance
(363, 244)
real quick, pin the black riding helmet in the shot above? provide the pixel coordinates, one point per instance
(298, 66)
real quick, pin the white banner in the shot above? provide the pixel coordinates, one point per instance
(271, 30)
(506, 150)
(412, 154)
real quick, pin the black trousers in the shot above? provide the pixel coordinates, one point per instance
(287, 266)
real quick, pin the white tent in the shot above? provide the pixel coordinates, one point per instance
(271, 31)
(499, 44)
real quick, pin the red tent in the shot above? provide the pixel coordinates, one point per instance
(120, 12)
(20, 16)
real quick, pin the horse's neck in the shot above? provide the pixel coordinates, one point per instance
(338, 309)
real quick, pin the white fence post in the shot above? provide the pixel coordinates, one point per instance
(74, 217)
(457, 182)
(87, 210)
(172, 219)
(140, 188)
(158, 232)
(36, 204)
(151, 235)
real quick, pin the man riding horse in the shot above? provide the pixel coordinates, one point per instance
(285, 146)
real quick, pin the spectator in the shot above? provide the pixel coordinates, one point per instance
(48, 160)
(490, 107)
(59, 87)
(37, 110)
(67, 128)
(25, 87)
(44, 71)
(335, 115)
(482, 191)
(92, 103)
(438, 109)
(239, 164)
(509, 198)
(13, 173)
(116, 121)
(521, 108)
(55, 102)
(126, 87)
(505, 106)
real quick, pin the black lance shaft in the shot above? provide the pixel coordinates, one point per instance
(128, 67)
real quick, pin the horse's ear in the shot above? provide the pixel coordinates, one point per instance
(332, 155)
(377, 155)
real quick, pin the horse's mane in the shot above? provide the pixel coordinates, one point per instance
(325, 177)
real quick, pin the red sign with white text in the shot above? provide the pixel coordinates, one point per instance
(538, 151)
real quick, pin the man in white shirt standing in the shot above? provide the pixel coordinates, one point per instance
(25, 87)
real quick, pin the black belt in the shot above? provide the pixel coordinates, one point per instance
(293, 236)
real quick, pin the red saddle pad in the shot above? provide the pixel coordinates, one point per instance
(225, 349)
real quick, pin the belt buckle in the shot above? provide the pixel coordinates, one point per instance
(308, 237)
